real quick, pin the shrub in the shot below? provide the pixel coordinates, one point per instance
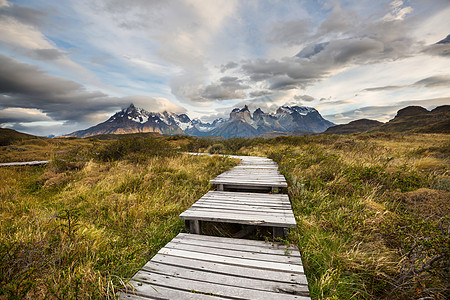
(135, 149)
(216, 149)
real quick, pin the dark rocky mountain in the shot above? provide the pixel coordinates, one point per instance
(357, 126)
(240, 124)
(286, 119)
(418, 119)
(408, 119)
(134, 120)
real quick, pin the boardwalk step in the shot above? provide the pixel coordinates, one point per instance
(203, 267)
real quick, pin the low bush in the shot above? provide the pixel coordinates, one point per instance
(136, 149)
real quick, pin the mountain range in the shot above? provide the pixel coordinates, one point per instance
(408, 119)
(241, 123)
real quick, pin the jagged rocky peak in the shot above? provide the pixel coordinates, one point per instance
(258, 114)
(258, 111)
(132, 113)
(241, 114)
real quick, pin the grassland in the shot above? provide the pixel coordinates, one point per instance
(75, 229)
(372, 211)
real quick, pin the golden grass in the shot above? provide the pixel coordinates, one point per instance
(361, 203)
(81, 233)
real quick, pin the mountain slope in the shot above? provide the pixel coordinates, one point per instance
(241, 123)
(357, 126)
(418, 119)
(9, 136)
(133, 120)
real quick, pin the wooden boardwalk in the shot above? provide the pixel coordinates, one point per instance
(272, 210)
(205, 267)
(253, 173)
(25, 163)
(194, 266)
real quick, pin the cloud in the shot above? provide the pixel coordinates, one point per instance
(306, 98)
(429, 82)
(398, 11)
(26, 88)
(23, 14)
(434, 81)
(16, 115)
(259, 93)
(184, 32)
(289, 32)
(385, 88)
(227, 88)
(228, 66)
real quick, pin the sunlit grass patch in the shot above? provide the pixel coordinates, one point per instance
(79, 232)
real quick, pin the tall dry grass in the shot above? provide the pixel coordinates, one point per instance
(78, 229)
(372, 212)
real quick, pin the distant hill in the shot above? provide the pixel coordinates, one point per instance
(357, 126)
(418, 119)
(9, 136)
(408, 119)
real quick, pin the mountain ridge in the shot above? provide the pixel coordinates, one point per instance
(241, 123)
(408, 119)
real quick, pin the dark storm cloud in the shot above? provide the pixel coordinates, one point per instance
(328, 52)
(26, 86)
(23, 14)
(228, 66)
(289, 33)
(299, 72)
(227, 88)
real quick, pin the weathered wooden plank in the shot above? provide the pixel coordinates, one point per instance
(239, 247)
(281, 267)
(25, 163)
(269, 257)
(210, 275)
(255, 202)
(253, 176)
(239, 242)
(245, 195)
(206, 215)
(204, 287)
(144, 290)
(221, 268)
(259, 213)
(244, 182)
(243, 207)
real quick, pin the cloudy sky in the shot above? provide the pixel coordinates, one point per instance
(66, 65)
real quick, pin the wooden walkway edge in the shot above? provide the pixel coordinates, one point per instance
(25, 163)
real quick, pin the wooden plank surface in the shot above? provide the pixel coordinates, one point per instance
(252, 172)
(25, 163)
(242, 208)
(203, 267)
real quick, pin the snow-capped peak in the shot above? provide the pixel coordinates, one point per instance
(302, 110)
